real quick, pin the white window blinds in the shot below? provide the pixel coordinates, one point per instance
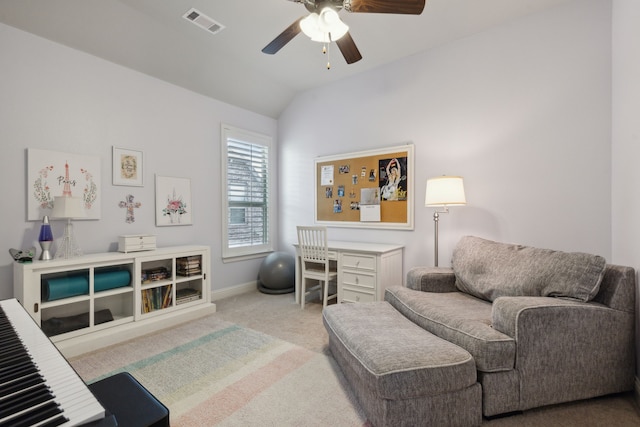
(246, 193)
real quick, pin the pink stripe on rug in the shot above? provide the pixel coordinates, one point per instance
(227, 401)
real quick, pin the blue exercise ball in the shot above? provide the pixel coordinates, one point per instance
(277, 273)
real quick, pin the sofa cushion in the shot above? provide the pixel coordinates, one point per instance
(394, 357)
(401, 374)
(489, 270)
(460, 319)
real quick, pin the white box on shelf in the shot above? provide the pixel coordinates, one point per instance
(136, 242)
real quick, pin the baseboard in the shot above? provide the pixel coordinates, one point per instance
(637, 393)
(233, 291)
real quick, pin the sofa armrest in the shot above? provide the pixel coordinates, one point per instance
(510, 313)
(561, 342)
(431, 279)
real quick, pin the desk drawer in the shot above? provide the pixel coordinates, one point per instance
(352, 295)
(352, 278)
(359, 261)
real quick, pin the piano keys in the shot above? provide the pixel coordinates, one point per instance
(38, 387)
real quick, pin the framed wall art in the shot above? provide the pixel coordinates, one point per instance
(52, 173)
(367, 189)
(127, 167)
(173, 201)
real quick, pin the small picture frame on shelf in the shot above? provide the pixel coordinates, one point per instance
(127, 167)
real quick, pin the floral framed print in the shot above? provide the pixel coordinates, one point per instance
(173, 201)
(52, 173)
(127, 167)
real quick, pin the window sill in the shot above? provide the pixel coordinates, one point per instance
(237, 258)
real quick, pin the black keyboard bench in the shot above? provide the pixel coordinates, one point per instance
(130, 403)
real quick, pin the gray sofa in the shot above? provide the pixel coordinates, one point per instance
(542, 326)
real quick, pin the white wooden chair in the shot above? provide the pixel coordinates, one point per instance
(315, 262)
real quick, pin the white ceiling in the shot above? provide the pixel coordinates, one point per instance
(152, 37)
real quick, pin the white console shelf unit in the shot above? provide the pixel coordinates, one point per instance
(97, 300)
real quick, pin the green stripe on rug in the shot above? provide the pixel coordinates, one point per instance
(171, 353)
(254, 339)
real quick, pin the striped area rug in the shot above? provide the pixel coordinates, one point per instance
(215, 373)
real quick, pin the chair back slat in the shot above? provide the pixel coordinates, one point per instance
(313, 249)
(313, 244)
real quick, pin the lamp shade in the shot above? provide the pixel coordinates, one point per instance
(445, 191)
(68, 207)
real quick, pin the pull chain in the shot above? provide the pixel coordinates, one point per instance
(326, 50)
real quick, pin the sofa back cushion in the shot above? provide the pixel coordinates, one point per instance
(489, 270)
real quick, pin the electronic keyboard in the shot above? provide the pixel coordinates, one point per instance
(38, 387)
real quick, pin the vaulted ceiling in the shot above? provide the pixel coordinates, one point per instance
(151, 36)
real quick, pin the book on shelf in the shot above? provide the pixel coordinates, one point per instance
(155, 274)
(156, 298)
(185, 295)
(189, 266)
(146, 303)
(190, 272)
(166, 301)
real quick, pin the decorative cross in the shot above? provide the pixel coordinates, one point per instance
(130, 205)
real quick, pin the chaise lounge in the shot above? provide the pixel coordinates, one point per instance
(541, 327)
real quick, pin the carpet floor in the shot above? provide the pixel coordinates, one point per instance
(260, 360)
(211, 372)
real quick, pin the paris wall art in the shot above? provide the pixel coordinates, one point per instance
(52, 173)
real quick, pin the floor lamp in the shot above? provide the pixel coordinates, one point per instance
(443, 191)
(66, 207)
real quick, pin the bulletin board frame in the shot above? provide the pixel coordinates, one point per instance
(345, 182)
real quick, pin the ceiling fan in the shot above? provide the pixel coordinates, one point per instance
(324, 25)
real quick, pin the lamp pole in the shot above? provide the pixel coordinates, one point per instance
(436, 217)
(442, 192)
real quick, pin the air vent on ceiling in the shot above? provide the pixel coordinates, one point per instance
(203, 21)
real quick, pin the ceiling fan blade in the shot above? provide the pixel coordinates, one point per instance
(285, 37)
(406, 7)
(348, 49)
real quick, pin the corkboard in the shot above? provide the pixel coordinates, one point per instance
(345, 182)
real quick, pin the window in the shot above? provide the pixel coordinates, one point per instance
(245, 194)
(237, 216)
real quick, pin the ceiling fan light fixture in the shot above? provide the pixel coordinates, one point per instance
(309, 25)
(325, 27)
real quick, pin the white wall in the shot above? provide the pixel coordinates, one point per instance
(521, 111)
(626, 141)
(56, 98)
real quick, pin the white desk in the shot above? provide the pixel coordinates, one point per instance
(365, 270)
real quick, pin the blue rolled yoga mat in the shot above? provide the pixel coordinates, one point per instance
(64, 287)
(111, 279)
(73, 285)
